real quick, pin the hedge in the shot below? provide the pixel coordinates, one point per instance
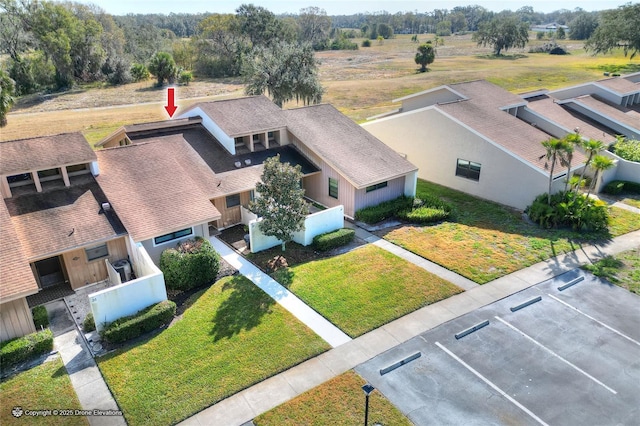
(615, 187)
(427, 209)
(40, 317)
(148, 319)
(193, 263)
(333, 239)
(385, 210)
(24, 348)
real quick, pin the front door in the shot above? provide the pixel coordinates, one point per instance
(50, 272)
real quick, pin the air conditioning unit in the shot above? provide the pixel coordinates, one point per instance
(123, 268)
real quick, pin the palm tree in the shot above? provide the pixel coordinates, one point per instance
(570, 141)
(592, 147)
(600, 163)
(425, 56)
(7, 88)
(555, 152)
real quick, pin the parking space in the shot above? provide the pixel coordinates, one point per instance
(567, 356)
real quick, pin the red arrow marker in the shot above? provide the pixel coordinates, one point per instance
(171, 106)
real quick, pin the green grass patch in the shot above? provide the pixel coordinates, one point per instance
(46, 386)
(485, 240)
(622, 269)
(633, 202)
(365, 288)
(339, 401)
(232, 336)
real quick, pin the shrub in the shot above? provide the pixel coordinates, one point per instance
(628, 149)
(569, 209)
(139, 72)
(88, 325)
(366, 43)
(185, 77)
(429, 209)
(616, 187)
(333, 239)
(40, 317)
(193, 263)
(21, 349)
(385, 210)
(146, 320)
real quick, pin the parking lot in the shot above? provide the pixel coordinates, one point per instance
(563, 352)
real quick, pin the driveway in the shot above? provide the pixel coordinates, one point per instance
(571, 356)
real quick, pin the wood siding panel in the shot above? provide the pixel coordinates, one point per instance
(394, 189)
(81, 272)
(231, 216)
(15, 319)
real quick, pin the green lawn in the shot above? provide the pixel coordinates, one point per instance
(633, 201)
(622, 269)
(45, 387)
(339, 401)
(485, 240)
(233, 336)
(364, 288)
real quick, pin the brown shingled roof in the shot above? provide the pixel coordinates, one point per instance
(481, 92)
(16, 278)
(355, 153)
(153, 189)
(621, 114)
(619, 85)
(239, 117)
(46, 152)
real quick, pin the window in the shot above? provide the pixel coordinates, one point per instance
(468, 169)
(172, 236)
(98, 252)
(49, 174)
(333, 188)
(233, 200)
(377, 186)
(252, 195)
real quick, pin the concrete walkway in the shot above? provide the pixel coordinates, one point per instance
(316, 322)
(251, 402)
(85, 376)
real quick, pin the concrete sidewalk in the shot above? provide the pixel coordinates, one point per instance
(316, 322)
(251, 402)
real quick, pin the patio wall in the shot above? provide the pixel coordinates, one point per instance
(126, 299)
(315, 224)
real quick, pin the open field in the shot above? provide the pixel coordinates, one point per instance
(231, 337)
(336, 402)
(359, 83)
(485, 240)
(45, 387)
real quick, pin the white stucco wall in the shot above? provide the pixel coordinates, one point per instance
(315, 224)
(226, 141)
(155, 251)
(434, 142)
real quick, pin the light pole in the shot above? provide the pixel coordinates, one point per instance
(367, 389)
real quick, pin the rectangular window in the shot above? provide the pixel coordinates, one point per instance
(233, 200)
(468, 169)
(98, 252)
(172, 236)
(333, 188)
(377, 186)
(252, 195)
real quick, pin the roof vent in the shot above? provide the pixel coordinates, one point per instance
(247, 162)
(106, 207)
(238, 164)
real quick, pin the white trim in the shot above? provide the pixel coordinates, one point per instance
(435, 89)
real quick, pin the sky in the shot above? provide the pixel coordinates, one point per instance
(340, 7)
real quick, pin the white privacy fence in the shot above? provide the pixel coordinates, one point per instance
(128, 298)
(315, 224)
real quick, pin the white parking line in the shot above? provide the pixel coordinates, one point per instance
(496, 388)
(575, 367)
(593, 319)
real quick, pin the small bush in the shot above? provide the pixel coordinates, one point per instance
(571, 210)
(429, 209)
(40, 317)
(366, 43)
(616, 187)
(193, 263)
(139, 72)
(333, 239)
(146, 320)
(628, 149)
(385, 210)
(21, 349)
(88, 325)
(185, 77)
